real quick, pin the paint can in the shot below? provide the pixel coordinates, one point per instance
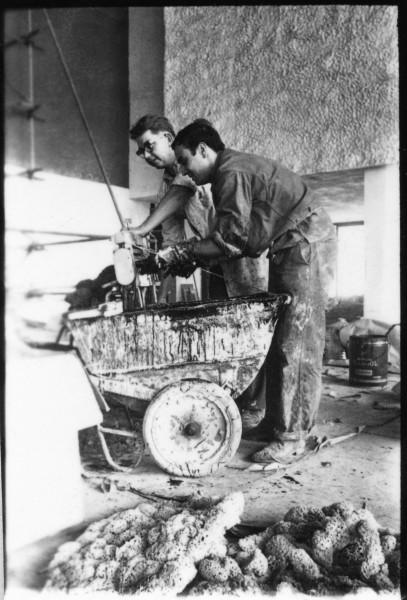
(368, 356)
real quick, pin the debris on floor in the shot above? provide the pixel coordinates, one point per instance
(195, 548)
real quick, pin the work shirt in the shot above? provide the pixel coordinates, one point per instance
(198, 210)
(242, 277)
(261, 204)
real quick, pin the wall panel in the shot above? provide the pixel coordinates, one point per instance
(94, 42)
(313, 86)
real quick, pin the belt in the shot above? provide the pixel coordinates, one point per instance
(298, 231)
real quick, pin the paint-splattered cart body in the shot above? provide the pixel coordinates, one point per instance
(180, 367)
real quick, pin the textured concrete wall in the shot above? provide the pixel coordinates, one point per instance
(313, 86)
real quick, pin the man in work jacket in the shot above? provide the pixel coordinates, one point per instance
(261, 204)
(180, 199)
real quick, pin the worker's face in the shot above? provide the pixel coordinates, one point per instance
(198, 165)
(156, 149)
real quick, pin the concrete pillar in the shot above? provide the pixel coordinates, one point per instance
(382, 220)
(146, 84)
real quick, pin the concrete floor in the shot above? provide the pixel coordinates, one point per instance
(364, 469)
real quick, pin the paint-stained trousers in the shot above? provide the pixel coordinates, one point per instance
(289, 383)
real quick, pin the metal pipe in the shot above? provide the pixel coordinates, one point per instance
(31, 93)
(42, 245)
(68, 234)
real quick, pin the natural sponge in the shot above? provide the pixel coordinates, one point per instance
(154, 547)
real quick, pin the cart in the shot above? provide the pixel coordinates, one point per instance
(178, 369)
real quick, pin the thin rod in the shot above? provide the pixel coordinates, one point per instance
(82, 114)
(198, 295)
(31, 93)
(64, 242)
(68, 234)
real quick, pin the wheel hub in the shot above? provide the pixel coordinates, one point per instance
(192, 429)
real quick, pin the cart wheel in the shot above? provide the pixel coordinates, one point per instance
(192, 427)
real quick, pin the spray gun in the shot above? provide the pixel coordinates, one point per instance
(130, 250)
(123, 257)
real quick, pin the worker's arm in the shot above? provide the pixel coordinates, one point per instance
(233, 193)
(174, 200)
(207, 249)
(183, 258)
(228, 238)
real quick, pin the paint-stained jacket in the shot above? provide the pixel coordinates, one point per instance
(242, 277)
(259, 203)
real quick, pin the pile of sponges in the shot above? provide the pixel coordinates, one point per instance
(336, 548)
(172, 547)
(153, 547)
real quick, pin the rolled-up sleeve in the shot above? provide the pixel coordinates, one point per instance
(173, 230)
(184, 181)
(232, 196)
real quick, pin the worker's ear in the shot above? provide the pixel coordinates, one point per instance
(169, 136)
(202, 149)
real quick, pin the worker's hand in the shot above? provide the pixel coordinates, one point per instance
(178, 260)
(130, 237)
(140, 230)
(182, 270)
(147, 266)
(122, 237)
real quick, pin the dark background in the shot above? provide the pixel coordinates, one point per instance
(94, 42)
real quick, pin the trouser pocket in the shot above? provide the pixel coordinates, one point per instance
(300, 253)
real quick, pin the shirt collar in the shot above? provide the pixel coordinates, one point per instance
(216, 164)
(172, 170)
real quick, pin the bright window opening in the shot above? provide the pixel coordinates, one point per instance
(350, 271)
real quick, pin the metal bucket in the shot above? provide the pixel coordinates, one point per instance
(368, 356)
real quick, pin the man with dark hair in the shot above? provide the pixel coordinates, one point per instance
(180, 198)
(263, 205)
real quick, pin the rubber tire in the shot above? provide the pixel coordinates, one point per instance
(168, 447)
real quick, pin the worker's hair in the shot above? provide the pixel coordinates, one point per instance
(154, 123)
(196, 132)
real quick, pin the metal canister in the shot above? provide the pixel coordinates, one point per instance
(368, 359)
(130, 297)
